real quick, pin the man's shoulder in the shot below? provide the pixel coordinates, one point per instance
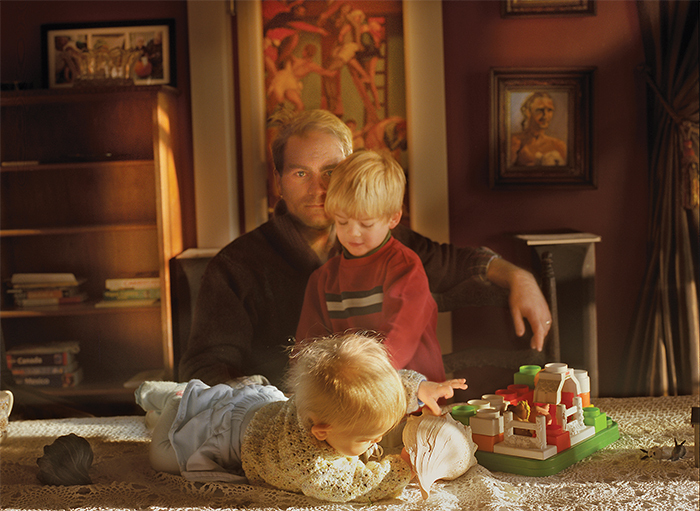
(403, 258)
(399, 248)
(408, 236)
(414, 241)
(248, 243)
(277, 234)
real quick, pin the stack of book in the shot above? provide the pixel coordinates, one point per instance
(45, 365)
(137, 291)
(41, 289)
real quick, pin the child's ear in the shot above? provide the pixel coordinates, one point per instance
(320, 431)
(395, 219)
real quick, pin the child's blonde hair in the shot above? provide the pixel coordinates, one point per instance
(367, 184)
(346, 380)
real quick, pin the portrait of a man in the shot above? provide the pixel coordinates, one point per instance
(536, 139)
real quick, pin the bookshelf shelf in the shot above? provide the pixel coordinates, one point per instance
(29, 166)
(77, 229)
(53, 97)
(78, 309)
(89, 186)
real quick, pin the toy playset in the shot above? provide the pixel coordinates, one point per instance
(539, 425)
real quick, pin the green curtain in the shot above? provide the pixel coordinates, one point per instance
(664, 341)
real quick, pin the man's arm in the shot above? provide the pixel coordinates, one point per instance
(455, 275)
(525, 299)
(447, 266)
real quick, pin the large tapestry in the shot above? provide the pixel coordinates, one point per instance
(345, 57)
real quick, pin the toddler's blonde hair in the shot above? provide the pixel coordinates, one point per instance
(347, 381)
(367, 184)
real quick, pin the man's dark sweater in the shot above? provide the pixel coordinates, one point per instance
(252, 292)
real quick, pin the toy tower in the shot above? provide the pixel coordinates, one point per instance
(558, 389)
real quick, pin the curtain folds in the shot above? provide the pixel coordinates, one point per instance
(664, 341)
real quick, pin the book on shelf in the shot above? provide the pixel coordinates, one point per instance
(106, 304)
(50, 354)
(147, 280)
(42, 289)
(19, 163)
(51, 380)
(132, 294)
(44, 280)
(44, 369)
(44, 292)
(43, 302)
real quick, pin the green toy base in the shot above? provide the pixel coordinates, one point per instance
(557, 463)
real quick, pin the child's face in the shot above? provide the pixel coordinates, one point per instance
(350, 443)
(362, 235)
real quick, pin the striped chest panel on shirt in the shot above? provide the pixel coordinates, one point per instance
(350, 304)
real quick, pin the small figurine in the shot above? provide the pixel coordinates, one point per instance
(674, 453)
(678, 450)
(523, 412)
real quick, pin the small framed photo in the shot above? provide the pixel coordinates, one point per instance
(540, 128)
(140, 52)
(515, 8)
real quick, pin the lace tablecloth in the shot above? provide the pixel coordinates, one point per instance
(613, 478)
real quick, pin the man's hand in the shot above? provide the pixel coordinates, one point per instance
(526, 300)
(429, 392)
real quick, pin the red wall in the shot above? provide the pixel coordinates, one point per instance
(476, 38)
(20, 29)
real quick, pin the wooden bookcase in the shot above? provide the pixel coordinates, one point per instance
(89, 186)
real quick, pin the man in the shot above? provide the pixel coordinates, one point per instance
(252, 291)
(532, 146)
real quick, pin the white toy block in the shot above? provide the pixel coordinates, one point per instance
(479, 403)
(555, 378)
(535, 454)
(487, 422)
(583, 379)
(538, 442)
(571, 419)
(496, 401)
(585, 433)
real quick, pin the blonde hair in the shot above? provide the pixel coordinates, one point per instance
(347, 380)
(301, 124)
(367, 183)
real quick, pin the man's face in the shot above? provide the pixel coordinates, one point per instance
(541, 112)
(308, 163)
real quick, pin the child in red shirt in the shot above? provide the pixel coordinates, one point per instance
(377, 283)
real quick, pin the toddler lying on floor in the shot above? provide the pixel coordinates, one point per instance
(345, 395)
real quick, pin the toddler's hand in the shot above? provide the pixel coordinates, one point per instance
(429, 392)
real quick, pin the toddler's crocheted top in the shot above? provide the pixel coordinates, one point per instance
(279, 451)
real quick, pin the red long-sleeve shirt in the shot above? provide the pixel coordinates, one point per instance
(387, 292)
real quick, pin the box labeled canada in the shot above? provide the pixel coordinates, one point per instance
(60, 353)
